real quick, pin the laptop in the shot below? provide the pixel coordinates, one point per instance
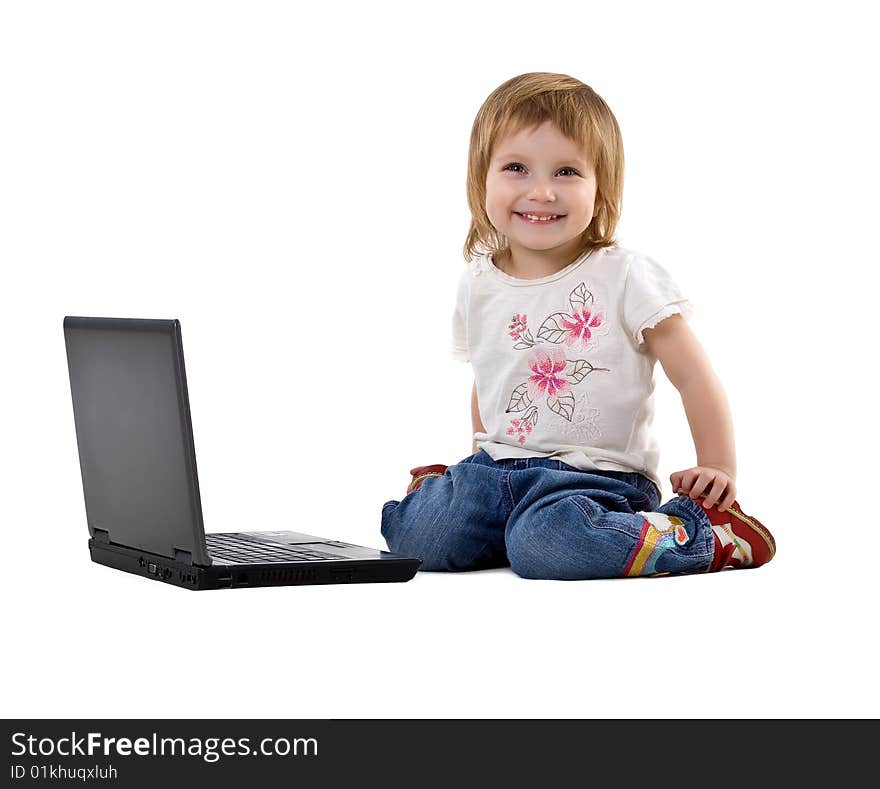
(138, 462)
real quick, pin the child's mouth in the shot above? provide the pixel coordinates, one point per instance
(541, 221)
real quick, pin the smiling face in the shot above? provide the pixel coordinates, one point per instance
(539, 171)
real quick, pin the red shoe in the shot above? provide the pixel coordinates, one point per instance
(421, 473)
(740, 540)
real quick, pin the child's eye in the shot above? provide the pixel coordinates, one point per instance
(517, 164)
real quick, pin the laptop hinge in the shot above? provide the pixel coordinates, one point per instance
(102, 535)
(184, 557)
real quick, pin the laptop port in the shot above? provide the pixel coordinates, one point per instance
(342, 575)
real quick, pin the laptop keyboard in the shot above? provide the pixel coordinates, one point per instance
(232, 548)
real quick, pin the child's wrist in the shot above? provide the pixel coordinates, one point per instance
(730, 470)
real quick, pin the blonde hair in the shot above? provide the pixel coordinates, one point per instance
(581, 115)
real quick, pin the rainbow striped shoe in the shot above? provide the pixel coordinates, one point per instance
(740, 540)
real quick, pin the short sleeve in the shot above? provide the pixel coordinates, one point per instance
(650, 295)
(460, 349)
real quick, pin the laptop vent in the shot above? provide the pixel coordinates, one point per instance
(270, 577)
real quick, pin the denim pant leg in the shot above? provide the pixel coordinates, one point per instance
(577, 525)
(453, 522)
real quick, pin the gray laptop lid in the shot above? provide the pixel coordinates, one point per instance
(134, 434)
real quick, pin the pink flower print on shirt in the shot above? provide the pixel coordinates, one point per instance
(581, 325)
(519, 330)
(553, 374)
(522, 427)
(517, 326)
(547, 380)
(579, 328)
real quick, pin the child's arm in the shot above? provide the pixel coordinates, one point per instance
(476, 422)
(688, 368)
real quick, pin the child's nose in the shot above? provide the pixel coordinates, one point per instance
(542, 191)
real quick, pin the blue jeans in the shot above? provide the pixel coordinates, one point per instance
(546, 519)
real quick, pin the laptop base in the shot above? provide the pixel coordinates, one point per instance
(161, 568)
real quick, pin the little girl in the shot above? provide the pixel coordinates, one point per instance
(563, 328)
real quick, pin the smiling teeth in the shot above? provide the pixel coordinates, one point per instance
(540, 218)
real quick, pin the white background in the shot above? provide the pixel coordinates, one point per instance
(287, 179)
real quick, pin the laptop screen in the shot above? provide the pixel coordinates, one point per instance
(134, 434)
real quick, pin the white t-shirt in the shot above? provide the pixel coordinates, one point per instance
(560, 364)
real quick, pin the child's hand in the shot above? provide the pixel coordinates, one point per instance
(697, 480)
